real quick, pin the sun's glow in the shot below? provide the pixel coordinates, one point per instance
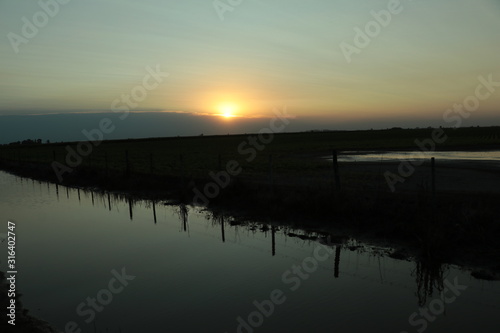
(227, 110)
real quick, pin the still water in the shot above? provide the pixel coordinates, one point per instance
(102, 262)
(374, 156)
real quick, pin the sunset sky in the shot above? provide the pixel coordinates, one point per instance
(264, 54)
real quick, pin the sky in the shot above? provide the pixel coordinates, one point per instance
(225, 67)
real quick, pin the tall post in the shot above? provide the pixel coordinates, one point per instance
(433, 186)
(271, 179)
(181, 163)
(336, 175)
(151, 164)
(433, 177)
(127, 165)
(106, 163)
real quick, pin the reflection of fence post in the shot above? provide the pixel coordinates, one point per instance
(273, 240)
(337, 262)
(130, 211)
(222, 228)
(154, 211)
(336, 175)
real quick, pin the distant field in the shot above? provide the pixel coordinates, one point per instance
(291, 152)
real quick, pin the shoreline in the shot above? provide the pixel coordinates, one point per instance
(407, 221)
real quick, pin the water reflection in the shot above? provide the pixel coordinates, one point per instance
(429, 278)
(353, 268)
(428, 275)
(183, 213)
(377, 156)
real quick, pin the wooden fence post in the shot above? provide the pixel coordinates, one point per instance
(127, 165)
(106, 163)
(181, 166)
(271, 178)
(336, 170)
(433, 177)
(151, 163)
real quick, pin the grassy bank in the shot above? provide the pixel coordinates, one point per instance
(196, 156)
(285, 182)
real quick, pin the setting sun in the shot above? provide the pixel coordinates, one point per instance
(227, 110)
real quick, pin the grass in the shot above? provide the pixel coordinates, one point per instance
(202, 154)
(301, 191)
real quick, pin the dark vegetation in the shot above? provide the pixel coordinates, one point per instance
(24, 321)
(288, 182)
